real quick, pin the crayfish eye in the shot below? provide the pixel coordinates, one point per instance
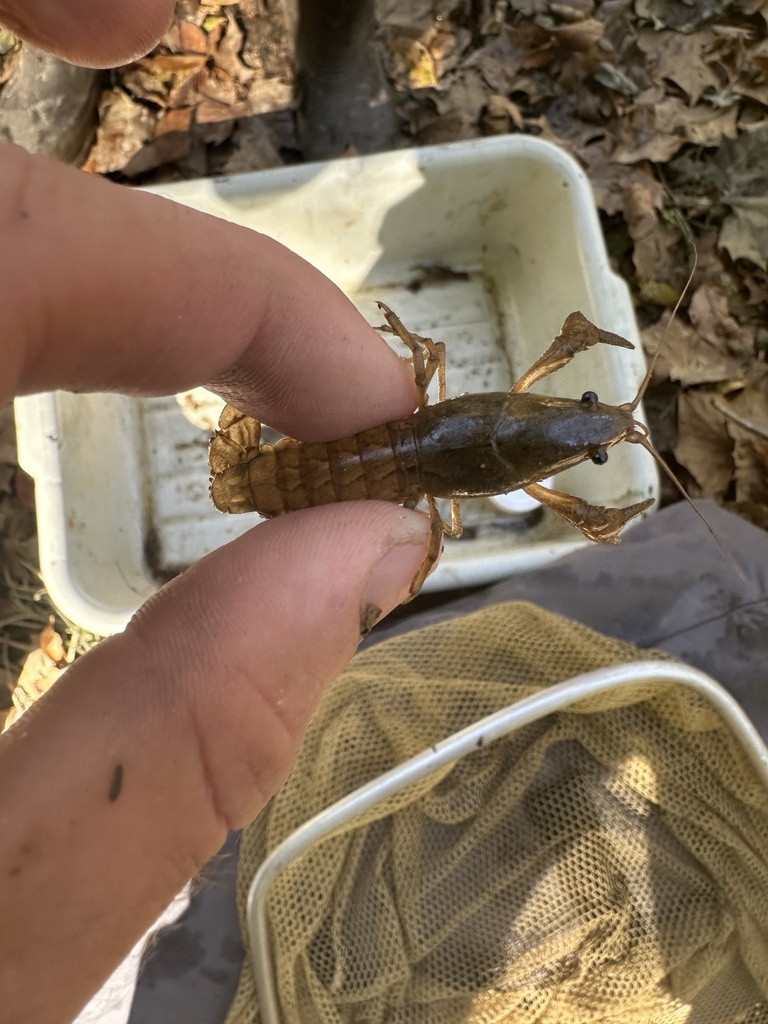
(600, 457)
(589, 399)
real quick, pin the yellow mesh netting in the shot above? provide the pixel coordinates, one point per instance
(607, 863)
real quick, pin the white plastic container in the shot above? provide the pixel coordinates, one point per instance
(487, 245)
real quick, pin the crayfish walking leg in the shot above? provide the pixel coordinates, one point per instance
(424, 369)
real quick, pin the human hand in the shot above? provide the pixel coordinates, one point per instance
(198, 708)
(89, 33)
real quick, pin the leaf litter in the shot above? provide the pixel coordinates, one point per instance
(663, 102)
(36, 643)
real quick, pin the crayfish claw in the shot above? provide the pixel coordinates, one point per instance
(597, 522)
(576, 335)
(605, 524)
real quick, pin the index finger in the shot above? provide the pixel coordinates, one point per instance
(105, 288)
(95, 34)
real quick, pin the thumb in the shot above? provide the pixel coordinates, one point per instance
(161, 739)
(86, 32)
(256, 631)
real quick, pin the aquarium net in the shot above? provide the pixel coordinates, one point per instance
(606, 863)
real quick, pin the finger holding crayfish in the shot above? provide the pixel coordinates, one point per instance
(471, 446)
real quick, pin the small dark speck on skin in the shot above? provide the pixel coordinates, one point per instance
(26, 850)
(24, 214)
(116, 785)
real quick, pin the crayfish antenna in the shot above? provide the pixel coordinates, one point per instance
(652, 365)
(642, 439)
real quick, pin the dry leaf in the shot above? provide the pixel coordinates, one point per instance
(186, 37)
(268, 44)
(681, 59)
(214, 26)
(756, 284)
(37, 677)
(735, 174)
(702, 125)
(52, 644)
(7, 435)
(414, 16)
(579, 36)
(747, 423)
(124, 128)
(713, 348)
(616, 80)
(704, 446)
(214, 121)
(714, 324)
(253, 148)
(227, 54)
(268, 94)
(8, 41)
(7, 683)
(447, 46)
(500, 114)
(171, 142)
(161, 78)
(530, 8)
(536, 45)
(751, 457)
(610, 181)
(179, 120)
(459, 108)
(657, 126)
(688, 358)
(640, 137)
(212, 83)
(572, 10)
(8, 64)
(7, 478)
(652, 238)
(681, 15)
(414, 62)
(168, 148)
(499, 62)
(745, 232)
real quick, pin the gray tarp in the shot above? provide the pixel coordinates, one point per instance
(668, 585)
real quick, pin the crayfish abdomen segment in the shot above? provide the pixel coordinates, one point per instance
(292, 475)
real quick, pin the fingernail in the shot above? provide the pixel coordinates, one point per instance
(390, 581)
